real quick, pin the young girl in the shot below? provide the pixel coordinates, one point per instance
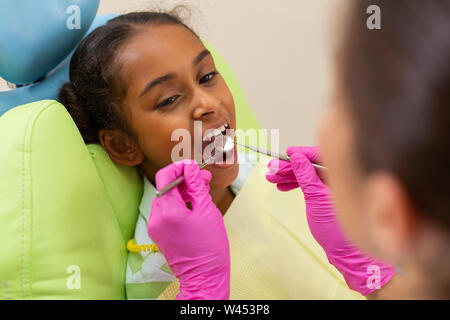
(133, 83)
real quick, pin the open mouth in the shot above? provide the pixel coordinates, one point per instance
(213, 139)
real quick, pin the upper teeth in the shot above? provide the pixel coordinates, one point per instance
(215, 132)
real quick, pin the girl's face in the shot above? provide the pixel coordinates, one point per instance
(171, 82)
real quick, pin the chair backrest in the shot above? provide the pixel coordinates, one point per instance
(66, 210)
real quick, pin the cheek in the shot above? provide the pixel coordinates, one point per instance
(338, 155)
(154, 134)
(227, 100)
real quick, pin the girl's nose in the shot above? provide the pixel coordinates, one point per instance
(204, 104)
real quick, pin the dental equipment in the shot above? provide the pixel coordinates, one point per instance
(270, 153)
(227, 147)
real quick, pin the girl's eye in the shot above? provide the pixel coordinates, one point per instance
(167, 102)
(208, 77)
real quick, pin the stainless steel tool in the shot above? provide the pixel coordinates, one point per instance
(228, 146)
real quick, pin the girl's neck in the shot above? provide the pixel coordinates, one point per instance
(222, 197)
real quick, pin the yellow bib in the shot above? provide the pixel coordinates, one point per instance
(273, 254)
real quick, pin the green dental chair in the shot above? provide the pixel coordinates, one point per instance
(66, 210)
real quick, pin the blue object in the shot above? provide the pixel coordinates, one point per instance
(39, 35)
(40, 44)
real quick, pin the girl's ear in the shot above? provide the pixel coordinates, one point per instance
(120, 147)
(392, 218)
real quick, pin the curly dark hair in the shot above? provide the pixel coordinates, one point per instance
(397, 83)
(93, 95)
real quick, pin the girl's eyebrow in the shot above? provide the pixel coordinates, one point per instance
(157, 81)
(170, 76)
(201, 56)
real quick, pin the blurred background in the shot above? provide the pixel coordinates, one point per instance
(281, 52)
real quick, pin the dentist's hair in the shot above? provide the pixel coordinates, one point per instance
(397, 86)
(93, 95)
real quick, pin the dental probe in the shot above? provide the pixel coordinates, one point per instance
(274, 154)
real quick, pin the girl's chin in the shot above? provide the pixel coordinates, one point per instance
(222, 176)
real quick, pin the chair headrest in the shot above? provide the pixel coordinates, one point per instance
(49, 86)
(40, 34)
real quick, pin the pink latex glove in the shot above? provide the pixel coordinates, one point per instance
(356, 267)
(194, 242)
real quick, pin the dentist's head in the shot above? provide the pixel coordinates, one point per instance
(386, 139)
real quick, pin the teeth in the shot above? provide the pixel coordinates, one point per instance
(208, 136)
(216, 132)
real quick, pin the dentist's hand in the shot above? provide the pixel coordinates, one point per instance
(354, 265)
(194, 242)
